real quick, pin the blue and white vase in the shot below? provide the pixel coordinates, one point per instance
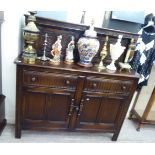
(88, 46)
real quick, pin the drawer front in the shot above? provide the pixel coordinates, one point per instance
(34, 78)
(108, 85)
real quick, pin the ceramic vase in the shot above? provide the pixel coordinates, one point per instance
(88, 46)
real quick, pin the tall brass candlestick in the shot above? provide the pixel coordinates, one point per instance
(103, 54)
(131, 47)
(126, 65)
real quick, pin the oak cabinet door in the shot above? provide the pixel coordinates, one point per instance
(58, 109)
(34, 105)
(44, 108)
(98, 112)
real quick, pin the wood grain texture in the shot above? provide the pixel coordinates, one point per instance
(70, 97)
(89, 101)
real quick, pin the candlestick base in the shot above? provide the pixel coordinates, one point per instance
(125, 66)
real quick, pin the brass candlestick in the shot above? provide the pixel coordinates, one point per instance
(103, 53)
(126, 65)
(44, 58)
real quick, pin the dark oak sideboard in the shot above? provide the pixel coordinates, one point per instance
(72, 98)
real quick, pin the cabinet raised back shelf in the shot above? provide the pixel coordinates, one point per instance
(70, 97)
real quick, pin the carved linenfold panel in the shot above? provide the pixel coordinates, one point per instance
(30, 104)
(90, 109)
(53, 104)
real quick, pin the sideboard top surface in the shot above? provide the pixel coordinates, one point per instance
(76, 68)
(54, 28)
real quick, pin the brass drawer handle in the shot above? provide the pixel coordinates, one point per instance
(94, 85)
(82, 100)
(87, 99)
(33, 79)
(67, 82)
(124, 87)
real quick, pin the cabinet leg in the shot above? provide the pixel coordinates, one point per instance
(114, 137)
(130, 116)
(17, 133)
(139, 126)
(2, 125)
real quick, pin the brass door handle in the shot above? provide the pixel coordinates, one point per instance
(33, 79)
(67, 82)
(87, 99)
(81, 107)
(71, 107)
(124, 87)
(94, 85)
(76, 107)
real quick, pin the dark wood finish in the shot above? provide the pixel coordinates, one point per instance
(70, 97)
(2, 97)
(2, 113)
(143, 119)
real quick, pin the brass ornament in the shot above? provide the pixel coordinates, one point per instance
(103, 54)
(30, 35)
(126, 65)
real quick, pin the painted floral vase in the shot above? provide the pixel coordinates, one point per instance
(88, 46)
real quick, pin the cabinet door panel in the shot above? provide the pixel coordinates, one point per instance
(34, 106)
(58, 107)
(90, 109)
(99, 112)
(109, 110)
(43, 108)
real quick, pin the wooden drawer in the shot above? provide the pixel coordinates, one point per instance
(34, 78)
(107, 85)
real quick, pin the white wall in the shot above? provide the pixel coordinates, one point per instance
(74, 16)
(98, 16)
(11, 41)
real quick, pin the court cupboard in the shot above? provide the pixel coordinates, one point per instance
(70, 97)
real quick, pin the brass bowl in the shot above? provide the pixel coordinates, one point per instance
(30, 36)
